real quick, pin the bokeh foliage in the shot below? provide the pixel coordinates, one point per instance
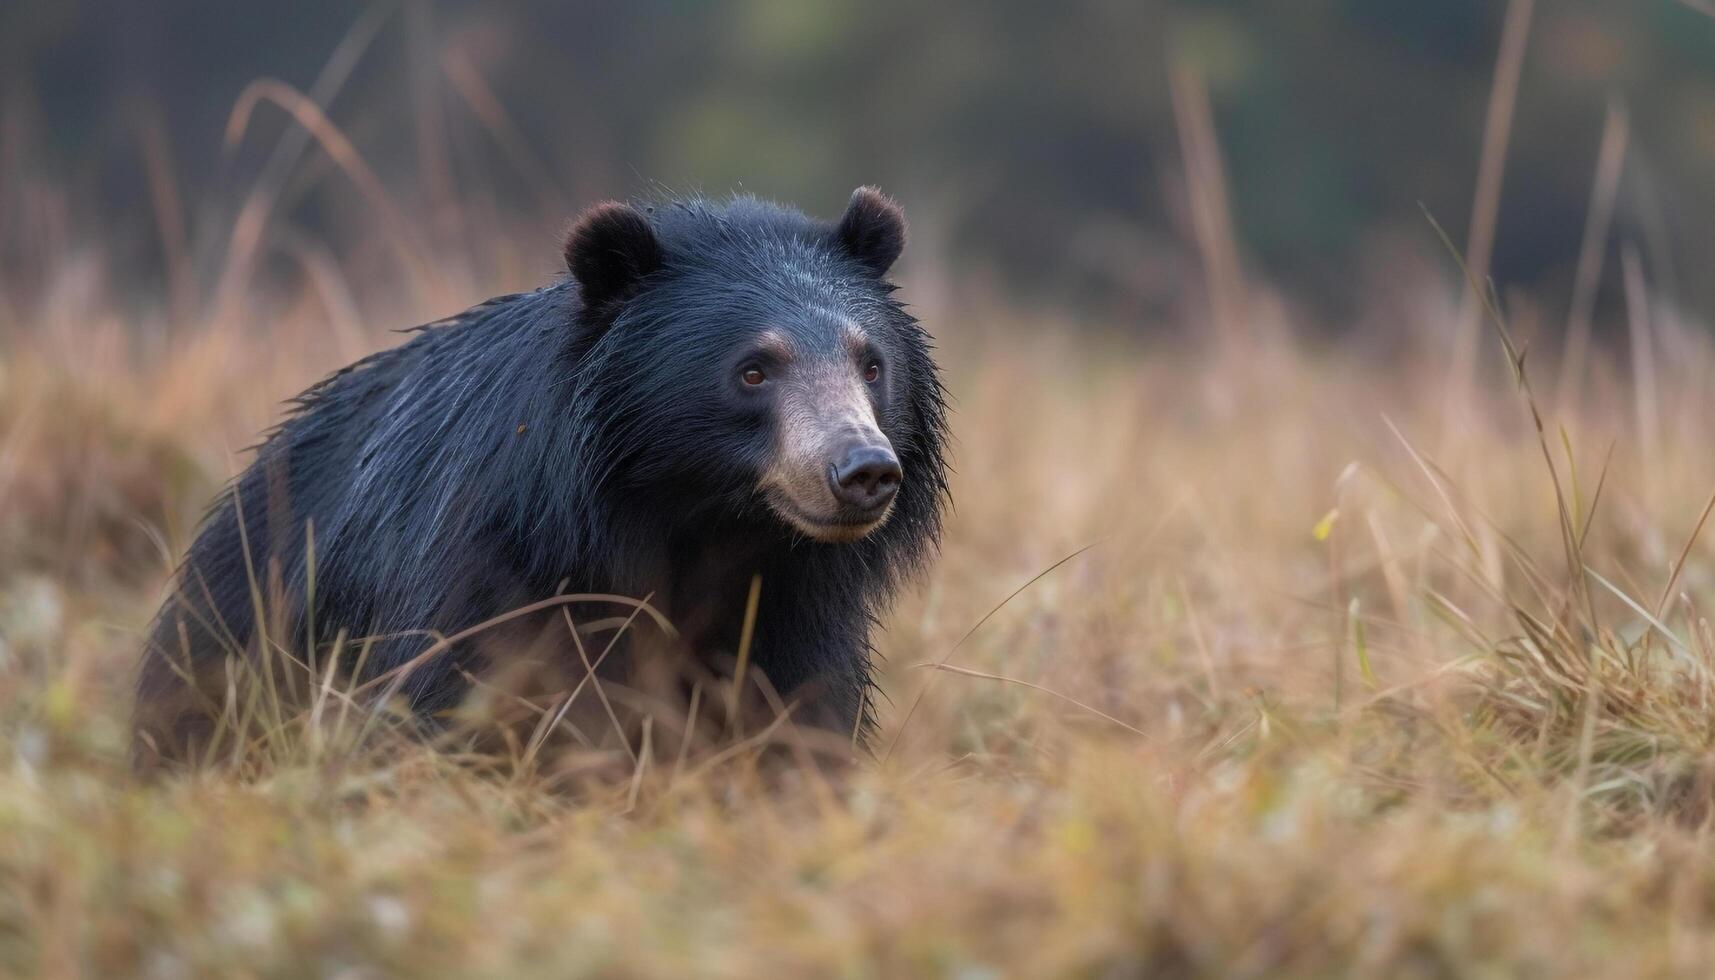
(1036, 141)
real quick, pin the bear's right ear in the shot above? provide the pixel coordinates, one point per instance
(609, 248)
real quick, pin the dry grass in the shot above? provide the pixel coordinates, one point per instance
(1324, 697)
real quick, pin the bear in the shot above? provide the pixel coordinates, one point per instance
(720, 414)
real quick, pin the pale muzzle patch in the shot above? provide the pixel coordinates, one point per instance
(823, 412)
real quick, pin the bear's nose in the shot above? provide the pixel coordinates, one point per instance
(866, 477)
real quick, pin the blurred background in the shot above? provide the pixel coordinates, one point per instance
(1040, 149)
(1260, 642)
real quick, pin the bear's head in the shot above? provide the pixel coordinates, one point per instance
(743, 357)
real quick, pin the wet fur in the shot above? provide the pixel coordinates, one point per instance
(545, 442)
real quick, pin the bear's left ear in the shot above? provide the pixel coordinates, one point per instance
(609, 248)
(872, 230)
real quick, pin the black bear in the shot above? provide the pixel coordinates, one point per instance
(720, 392)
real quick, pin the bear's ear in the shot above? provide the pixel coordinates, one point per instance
(608, 249)
(872, 230)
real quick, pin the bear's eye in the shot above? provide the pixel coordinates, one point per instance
(752, 376)
(872, 371)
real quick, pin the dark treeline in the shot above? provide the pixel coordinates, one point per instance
(1035, 142)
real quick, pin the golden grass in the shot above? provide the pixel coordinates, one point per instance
(1324, 695)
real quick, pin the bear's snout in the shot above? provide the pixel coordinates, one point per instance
(865, 477)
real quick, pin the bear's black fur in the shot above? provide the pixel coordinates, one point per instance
(604, 434)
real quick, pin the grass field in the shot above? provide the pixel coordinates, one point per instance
(1272, 659)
